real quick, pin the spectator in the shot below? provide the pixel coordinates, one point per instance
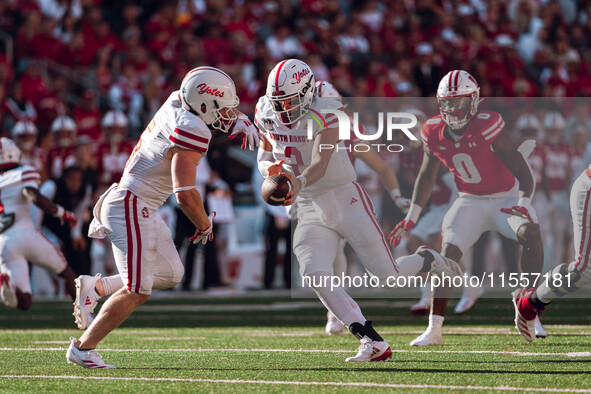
(74, 195)
(63, 130)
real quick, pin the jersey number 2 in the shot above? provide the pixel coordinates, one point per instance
(466, 168)
(291, 152)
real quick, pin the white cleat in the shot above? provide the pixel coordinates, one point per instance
(333, 325)
(539, 328)
(7, 293)
(428, 338)
(471, 295)
(85, 358)
(372, 351)
(524, 326)
(440, 265)
(86, 299)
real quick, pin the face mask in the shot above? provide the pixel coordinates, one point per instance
(27, 146)
(116, 138)
(63, 142)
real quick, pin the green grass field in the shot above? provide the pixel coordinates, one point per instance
(277, 344)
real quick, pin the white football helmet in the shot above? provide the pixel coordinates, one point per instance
(290, 89)
(24, 134)
(528, 125)
(210, 94)
(64, 130)
(23, 127)
(555, 125)
(10, 154)
(114, 118)
(458, 95)
(326, 89)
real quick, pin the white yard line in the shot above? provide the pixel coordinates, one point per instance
(199, 350)
(296, 383)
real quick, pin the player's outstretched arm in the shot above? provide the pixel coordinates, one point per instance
(49, 207)
(387, 177)
(513, 159)
(515, 162)
(183, 170)
(420, 195)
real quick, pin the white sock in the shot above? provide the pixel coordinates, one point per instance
(435, 323)
(111, 284)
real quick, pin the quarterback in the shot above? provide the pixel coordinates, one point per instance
(163, 162)
(491, 175)
(330, 203)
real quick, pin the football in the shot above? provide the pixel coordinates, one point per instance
(275, 189)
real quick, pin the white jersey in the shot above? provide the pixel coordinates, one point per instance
(293, 146)
(12, 200)
(147, 172)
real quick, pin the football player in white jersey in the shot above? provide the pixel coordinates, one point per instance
(373, 160)
(20, 241)
(330, 203)
(567, 277)
(163, 162)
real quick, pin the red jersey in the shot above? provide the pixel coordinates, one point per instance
(58, 159)
(111, 162)
(476, 168)
(557, 165)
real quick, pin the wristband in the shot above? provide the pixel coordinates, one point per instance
(413, 213)
(395, 193)
(183, 188)
(524, 202)
(303, 180)
(60, 211)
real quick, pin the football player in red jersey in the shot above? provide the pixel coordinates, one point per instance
(558, 174)
(492, 177)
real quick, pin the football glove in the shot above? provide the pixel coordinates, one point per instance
(521, 209)
(402, 203)
(204, 235)
(518, 211)
(401, 228)
(69, 218)
(250, 134)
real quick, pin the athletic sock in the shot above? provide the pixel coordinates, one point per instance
(111, 284)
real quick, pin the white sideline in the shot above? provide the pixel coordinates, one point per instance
(507, 353)
(296, 383)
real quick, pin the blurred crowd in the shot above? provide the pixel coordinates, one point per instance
(85, 76)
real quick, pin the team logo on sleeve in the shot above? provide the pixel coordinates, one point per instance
(145, 212)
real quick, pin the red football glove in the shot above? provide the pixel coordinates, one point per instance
(518, 211)
(204, 235)
(69, 218)
(401, 228)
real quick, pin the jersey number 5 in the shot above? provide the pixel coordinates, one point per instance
(466, 168)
